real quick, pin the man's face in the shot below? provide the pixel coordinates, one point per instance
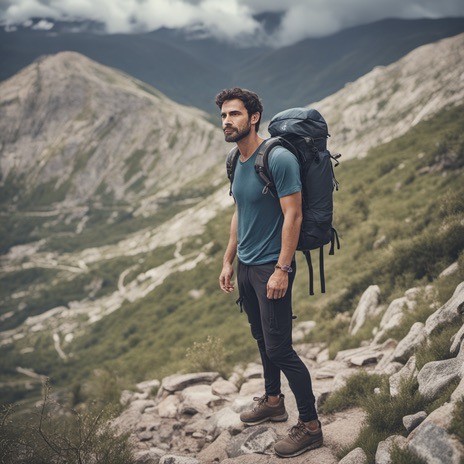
(236, 123)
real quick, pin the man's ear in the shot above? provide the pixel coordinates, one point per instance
(255, 118)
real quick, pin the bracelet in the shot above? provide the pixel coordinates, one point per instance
(284, 268)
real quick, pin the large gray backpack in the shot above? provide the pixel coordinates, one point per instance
(304, 133)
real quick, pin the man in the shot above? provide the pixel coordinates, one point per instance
(264, 233)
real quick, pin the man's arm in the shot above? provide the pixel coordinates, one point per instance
(229, 256)
(291, 208)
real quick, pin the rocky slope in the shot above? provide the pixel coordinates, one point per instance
(90, 252)
(388, 101)
(194, 418)
(85, 132)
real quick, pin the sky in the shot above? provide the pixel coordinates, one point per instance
(230, 20)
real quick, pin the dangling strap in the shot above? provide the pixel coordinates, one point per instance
(307, 254)
(333, 241)
(240, 302)
(321, 268)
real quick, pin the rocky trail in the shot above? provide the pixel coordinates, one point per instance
(194, 418)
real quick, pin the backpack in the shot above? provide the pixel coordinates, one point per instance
(304, 133)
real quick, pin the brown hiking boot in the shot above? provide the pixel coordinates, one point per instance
(299, 440)
(263, 412)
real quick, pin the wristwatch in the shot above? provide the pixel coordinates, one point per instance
(284, 267)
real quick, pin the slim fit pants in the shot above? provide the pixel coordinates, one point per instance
(271, 326)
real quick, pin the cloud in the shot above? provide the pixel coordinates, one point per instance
(232, 20)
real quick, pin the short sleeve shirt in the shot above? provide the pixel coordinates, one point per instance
(260, 217)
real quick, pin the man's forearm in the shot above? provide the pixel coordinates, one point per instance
(231, 249)
(290, 234)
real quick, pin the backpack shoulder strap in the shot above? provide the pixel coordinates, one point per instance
(262, 164)
(231, 162)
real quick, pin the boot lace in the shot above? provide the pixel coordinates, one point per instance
(261, 400)
(297, 431)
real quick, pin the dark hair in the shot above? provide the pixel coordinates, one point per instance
(250, 100)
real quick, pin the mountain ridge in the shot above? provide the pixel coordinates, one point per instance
(192, 72)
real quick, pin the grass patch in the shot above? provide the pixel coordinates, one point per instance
(385, 415)
(404, 456)
(358, 386)
(437, 346)
(209, 355)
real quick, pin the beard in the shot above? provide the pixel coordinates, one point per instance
(237, 134)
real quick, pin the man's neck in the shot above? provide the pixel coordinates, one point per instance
(248, 145)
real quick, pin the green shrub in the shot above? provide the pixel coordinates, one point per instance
(358, 387)
(385, 415)
(56, 435)
(385, 412)
(209, 355)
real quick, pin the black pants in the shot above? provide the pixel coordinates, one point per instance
(271, 326)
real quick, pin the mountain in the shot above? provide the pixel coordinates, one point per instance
(388, 101)
(74, 130)
(192, 70)
(315, 68)
(124, 277)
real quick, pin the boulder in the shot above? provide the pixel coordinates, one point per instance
(383, 453)
(310, 350)
(258, 439)
(216, 451)
(457, 340)
(253, 387)
(301, 330)
(149, 456)
(253, 371)
(148, 385)
(388, 367)
(242, 403)
(223, 387)
(169, 406)
(197, 398)
(411, 421)
(441, 417)
(330, 369)
(323, 356)
(174, 459)
(435, 445)
(451, 269)
(357, 456)
(458, 394)
(408, 370)
(368, 306)
(449, 312)
(178, 382)
(406, 346)
(435, 376)
(394, 314)
(226, 419)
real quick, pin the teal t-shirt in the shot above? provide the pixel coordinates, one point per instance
(260, 217)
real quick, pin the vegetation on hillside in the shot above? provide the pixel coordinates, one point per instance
(399, 213)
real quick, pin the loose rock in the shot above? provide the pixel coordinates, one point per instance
(368, 306)
(253, 440)
(357, 456)
(413, 420)
(383, 453)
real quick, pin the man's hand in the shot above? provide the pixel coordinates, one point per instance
(277, 284)
(225, 278)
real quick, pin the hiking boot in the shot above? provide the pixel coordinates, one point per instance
(299, 440)
(263, 411)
